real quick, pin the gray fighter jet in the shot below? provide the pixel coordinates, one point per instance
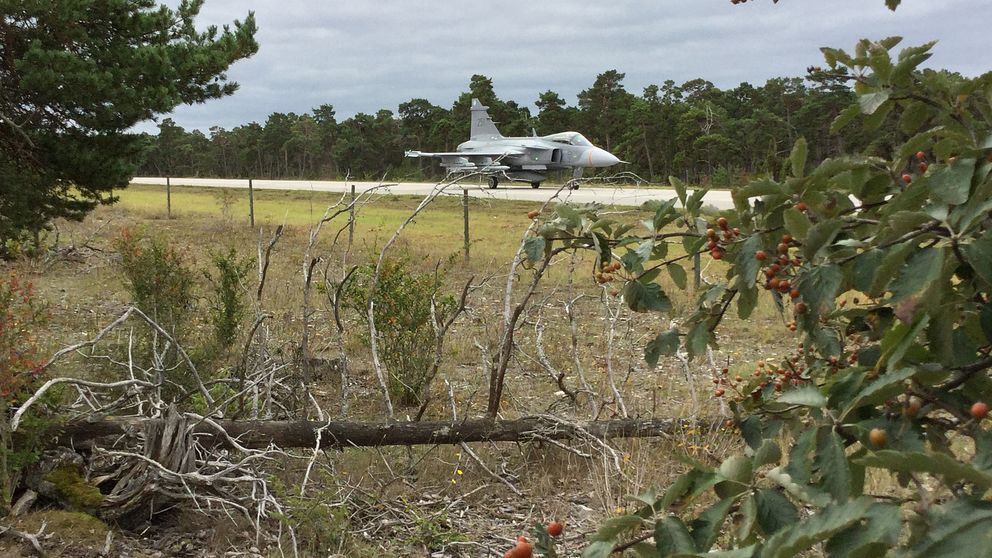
(519, 159)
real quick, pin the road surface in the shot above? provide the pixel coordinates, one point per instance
(618, 195)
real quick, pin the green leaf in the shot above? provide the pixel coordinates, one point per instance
(698, 339)
(757, 188)
(951, 184)
(934, 463)
(922, 269)
(959, 528)
(881, 389)
(979, 254)
(534, 247)
(677, 272)
(870, 102)
(768, 452)
(775, 511)
(831, 462)
(798, 157)
(612, 528)
(819, 287)
(706, 527)
(599, 549)
(671, 536)
(680, 189)
(820, 235)
(844, 118)
(666, 343)
(793, 540)
(646, 297)
(807, 396)
(797, 223)
(891, 264)
(800, 466)
(665, 214)
(874, 537)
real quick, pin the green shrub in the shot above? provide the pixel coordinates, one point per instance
(402, 302)
(158, 279)
(227, 305)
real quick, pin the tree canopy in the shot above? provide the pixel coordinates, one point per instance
(693, 130)
(75, 76)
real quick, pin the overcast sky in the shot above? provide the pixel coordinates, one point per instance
(365, 55)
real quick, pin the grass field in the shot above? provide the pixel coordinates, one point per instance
(86, 291)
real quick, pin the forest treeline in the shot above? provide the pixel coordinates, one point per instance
(695, 131)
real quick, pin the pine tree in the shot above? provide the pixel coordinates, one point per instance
(75, 76)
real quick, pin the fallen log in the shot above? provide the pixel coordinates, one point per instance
(302, 434)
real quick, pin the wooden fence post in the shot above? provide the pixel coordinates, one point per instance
(168, 197)
(251, 203)
(465, 218)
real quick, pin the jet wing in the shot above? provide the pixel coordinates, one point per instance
(493, 153)
(476, 160)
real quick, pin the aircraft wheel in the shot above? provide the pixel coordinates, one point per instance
(493, 182)
(574, 187)
(535, 185)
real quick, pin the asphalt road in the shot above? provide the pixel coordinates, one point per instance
(615, 195)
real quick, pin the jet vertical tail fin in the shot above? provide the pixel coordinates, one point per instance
(483, 127)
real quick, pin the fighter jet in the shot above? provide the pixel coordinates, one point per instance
(522, 159)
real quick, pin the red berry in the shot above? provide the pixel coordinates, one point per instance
(907, 178)
(800, 308)
(719, 392)
(783, 248)
(794, 294)
(920, 155)
(786, 238)
(722, 223)
(711, 233)
(979, 410)
(554, 528)
(922, 167)
(801, 206)
(717, 254)
(711, 244)
(760, 255)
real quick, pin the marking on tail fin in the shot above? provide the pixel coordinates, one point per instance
(483, 127)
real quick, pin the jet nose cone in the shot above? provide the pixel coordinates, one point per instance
(602, 158)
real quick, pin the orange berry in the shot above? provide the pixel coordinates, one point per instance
(794, 294)
(554, 528)
(786, 238)
(783, 248)
(722, 222)
(920, 155)
(878, 437)
(717, 254)
(533, 214)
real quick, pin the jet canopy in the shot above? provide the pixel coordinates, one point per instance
(569, 138)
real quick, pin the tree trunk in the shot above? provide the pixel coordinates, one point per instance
(302, 434)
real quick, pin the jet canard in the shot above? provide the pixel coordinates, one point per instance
(521, 159)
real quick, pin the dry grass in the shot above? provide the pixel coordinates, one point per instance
(88, 292)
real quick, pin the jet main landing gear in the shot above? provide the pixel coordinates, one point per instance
(535, 185)
(493, 182)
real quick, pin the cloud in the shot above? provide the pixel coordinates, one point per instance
(365, 56)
